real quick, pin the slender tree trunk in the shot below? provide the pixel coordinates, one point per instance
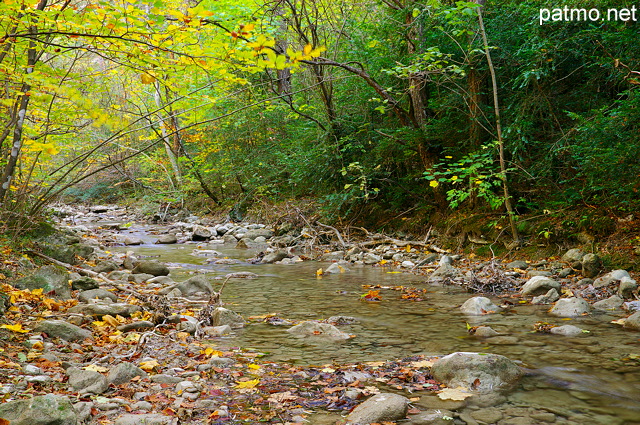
(496, 105)
(173, 160)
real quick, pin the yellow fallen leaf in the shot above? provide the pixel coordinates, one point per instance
(248, 384)
(149, 366)
(96, 368)
(458, 393)
(15, 328)
(38, 345)
(110, 320)
(254, 366)
(182, 336)
(213, 353)
(619, 321)
(408, 248)
(319, 272)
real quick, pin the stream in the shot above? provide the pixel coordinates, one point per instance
(592, 378)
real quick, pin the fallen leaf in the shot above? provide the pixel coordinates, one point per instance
(458, 393)
(619, 321)
(149, 366)
(110, 320)
(421, 363)
(15, 328)
(96, 368)
(248, 384)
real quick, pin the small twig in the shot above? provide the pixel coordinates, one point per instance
(336, 231)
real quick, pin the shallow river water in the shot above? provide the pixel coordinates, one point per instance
(593, 378)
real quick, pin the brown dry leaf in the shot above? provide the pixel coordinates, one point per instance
(282, 397)
(421, 363)
(458, 393)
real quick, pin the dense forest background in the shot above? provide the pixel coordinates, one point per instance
(374, 110)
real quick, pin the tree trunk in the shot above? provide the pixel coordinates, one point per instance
(173, 160)
(496, 106)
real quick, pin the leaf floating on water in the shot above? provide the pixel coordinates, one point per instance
(619, 321)
(458, 394)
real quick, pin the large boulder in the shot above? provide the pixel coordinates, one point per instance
(570, 307)
(612, 303)
(379, 408)
(51, 279)
(476, 371)
(99, 294)
(539, 285)
(46, 409)
(478, 306)
(317, 329)
(151, 267)
(84, 283)
(613, 277)
(549, 298)
(169, 238)
(63, 330)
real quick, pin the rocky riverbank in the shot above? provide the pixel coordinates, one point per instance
(102, 335)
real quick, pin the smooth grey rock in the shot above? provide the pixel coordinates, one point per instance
(216, 331)
(485, 332)
(92, 294)
(445, 271)
(570, 307)
(612, 303)
(317, 329)
(51, 279)
(84, 283)
(549, 298)
(139, 277)
(124, 372)
(478, 306)
(337, 255)
(432, 417)
(151, 267)
(83, 410)
(222, 316)
(201, 233)
(194, 285)
(256, 233)
(542, 273)
(371, 258)
(274, 256)
(407, 264)
(573, 255)
(518, 264)
(47, 409)
(166, 379)
(87, 381)
(566, 330)
(132, 240)
(230, 239)
(381, 407)
(626, 288)
(136, 326)
(633, 322)
(170, 238)
(539, 285)
(99, 310)
(335, 268)
(487, 416)
(144, 406)
(565, 272)
(63, 330)
(105, 266)
(32, 370)
(145, 419)
(591, 264)
(480, 372)
(612, 277)
(162, 280)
